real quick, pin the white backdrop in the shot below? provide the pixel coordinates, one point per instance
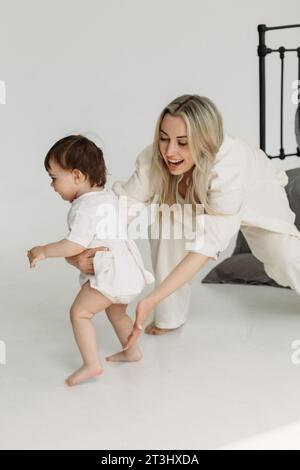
(106, 68)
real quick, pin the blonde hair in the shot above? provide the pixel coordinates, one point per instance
(205, 136)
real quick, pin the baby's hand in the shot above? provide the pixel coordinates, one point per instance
(37, 253)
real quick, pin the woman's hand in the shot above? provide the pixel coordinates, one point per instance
(37, 253)
(143, 310)
(182, 273)
(84, 261)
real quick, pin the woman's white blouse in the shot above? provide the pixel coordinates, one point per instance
(244, 184)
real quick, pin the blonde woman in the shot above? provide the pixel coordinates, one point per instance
(192, 161)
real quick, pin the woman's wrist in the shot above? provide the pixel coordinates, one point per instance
(152, 299)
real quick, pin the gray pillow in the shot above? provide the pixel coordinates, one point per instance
(242, 267)
(297, 126)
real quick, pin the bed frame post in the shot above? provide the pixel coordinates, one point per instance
(262, 52)
(298, 97)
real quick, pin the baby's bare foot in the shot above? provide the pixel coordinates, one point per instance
(129, 355)
(151, 329)
(85, 372)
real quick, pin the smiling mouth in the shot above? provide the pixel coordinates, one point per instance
(174, 163)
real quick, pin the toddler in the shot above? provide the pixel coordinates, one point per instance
(78, 172)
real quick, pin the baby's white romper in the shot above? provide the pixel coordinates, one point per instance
(93, 221)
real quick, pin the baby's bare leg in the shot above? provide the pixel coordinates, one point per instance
(88, 302)
(122, 325)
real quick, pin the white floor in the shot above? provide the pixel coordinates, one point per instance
(225, 379)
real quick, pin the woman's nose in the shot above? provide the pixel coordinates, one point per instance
(171, 148)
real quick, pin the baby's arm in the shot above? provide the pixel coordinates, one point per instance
(61, 249)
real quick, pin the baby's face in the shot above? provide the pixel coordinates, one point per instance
(63, 181)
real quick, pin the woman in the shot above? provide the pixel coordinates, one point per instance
(191, 161)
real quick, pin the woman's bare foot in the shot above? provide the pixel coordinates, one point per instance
(151, 329)
(83, 373)
(129, 355)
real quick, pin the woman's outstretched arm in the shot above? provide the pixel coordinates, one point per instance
(182, 273)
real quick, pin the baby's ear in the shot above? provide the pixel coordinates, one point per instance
(78, 175)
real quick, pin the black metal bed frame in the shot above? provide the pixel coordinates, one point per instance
(263, 51)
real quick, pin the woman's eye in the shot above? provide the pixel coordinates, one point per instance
(182, 144)
(165, 140)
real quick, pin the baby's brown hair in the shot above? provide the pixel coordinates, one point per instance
(77, 151)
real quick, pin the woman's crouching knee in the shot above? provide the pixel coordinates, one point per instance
(285, 269)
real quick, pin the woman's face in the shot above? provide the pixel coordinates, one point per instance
(173, 145)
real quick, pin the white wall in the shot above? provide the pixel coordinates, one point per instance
(106, 68)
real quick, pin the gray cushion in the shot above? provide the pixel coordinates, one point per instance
(242, 267)
(297, 126)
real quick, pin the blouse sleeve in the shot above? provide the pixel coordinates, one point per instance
(226, 194)
(137, 188)
(82, 228)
